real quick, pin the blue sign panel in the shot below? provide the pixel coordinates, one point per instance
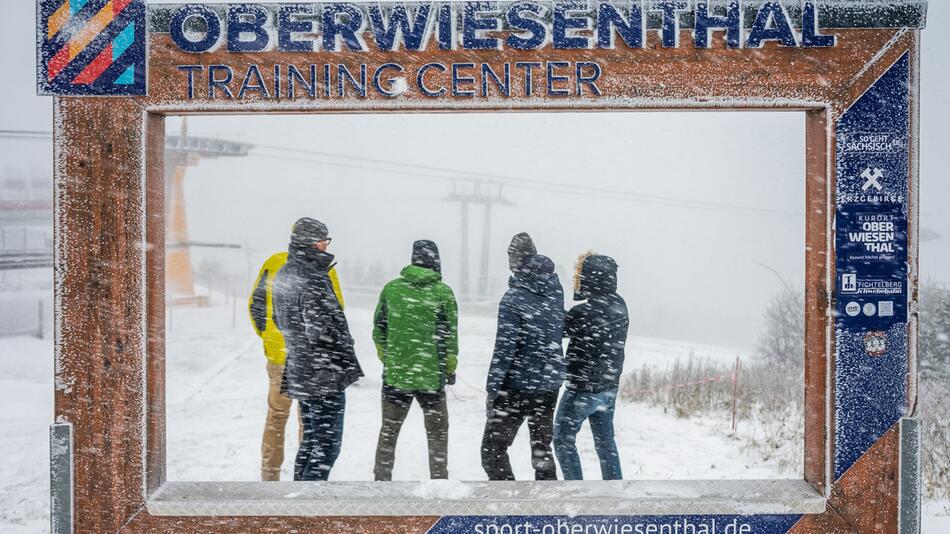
(871, 286)
(637, 524)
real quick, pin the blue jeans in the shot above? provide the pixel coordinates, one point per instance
(322, 436)
(574, 409)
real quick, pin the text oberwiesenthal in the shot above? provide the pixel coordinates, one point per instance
(417, 27)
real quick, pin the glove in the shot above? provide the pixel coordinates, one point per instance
(450, 380)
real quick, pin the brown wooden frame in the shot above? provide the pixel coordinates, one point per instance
(109, 233)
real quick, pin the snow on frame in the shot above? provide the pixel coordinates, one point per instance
(494, 104)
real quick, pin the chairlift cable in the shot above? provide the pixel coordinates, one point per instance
(565, 189)
(510, 180)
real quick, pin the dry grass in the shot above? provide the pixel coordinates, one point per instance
(935, 453)
(769, 402)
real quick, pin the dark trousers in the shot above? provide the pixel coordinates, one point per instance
(322, 436)
(505, 416)
(396, 403)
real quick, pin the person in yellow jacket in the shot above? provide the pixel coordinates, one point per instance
(261, 307)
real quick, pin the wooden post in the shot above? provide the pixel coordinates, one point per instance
(735, 391)
(232, 294)
(39, 322)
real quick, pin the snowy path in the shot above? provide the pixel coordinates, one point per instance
(217, 402)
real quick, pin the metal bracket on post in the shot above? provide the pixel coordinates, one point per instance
(909, 501)
(61, 478)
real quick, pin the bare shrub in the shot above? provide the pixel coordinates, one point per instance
(700, 385)
(770, 394)
(681, 387)
(934, 349)
(769, 401)
(933, 355)
(935, 450)
(782, 342)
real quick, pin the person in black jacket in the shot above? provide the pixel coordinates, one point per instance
(321, 362)
(527, 367)
(596, 332)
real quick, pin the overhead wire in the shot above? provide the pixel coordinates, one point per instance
(517, 182)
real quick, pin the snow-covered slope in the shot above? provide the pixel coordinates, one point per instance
(26, 410)
(217, 401)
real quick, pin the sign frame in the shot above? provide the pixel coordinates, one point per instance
(109, 256)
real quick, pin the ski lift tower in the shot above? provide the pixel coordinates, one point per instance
(183, 151)
(479, 193)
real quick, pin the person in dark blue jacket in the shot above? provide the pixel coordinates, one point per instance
(527, 367)
(321, 361)
(596, 332)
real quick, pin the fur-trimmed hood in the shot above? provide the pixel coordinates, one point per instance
(594, 274)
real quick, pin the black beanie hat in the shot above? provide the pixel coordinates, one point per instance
(425, 253)
(308, 231)
(521, 248)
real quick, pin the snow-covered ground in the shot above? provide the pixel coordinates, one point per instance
(217, 401)
(935, 517)
(216, 405)
(26, 411)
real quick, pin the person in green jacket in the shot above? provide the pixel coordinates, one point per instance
(416, 335)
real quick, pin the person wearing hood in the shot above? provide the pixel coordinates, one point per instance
(597, 332)
(415, 330)
(527, 366)
(261, 309)
(321, 362)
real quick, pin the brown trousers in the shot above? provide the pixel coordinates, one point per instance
(278, 411)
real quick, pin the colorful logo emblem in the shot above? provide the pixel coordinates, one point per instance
(91, 47)
(875, 343)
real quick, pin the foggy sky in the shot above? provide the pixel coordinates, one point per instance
(682, 271)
